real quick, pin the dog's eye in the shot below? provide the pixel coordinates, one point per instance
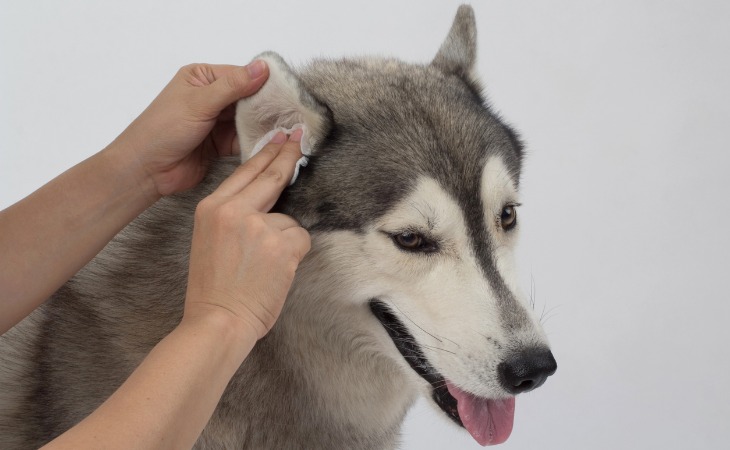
(508, 218)
(414, 242)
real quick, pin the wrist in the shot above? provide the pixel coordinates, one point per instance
(229, 331)
(124, 160)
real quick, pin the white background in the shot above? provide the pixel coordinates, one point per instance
(625, 106)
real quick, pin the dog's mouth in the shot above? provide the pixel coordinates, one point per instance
(489, 421)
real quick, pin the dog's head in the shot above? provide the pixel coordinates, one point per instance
(411, 192)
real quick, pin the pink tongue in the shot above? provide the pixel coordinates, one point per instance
(488, 421)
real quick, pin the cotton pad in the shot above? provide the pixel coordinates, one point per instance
(304, 142)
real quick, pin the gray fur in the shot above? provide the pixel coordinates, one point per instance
(320, 378)
(458, 53)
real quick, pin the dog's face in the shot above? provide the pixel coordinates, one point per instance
(412, 195)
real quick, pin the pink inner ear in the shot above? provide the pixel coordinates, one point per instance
(281, 102)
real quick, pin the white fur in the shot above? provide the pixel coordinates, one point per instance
(279, 103)
(498, 189)
(443, 298)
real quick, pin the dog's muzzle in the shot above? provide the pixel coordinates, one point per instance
(489, 421)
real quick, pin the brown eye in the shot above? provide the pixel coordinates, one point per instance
(414, 242)
(508, 218)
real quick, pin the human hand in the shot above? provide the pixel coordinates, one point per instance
(243, 259)
(189, 123)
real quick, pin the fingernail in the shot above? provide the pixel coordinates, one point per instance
(296, 136)
(256, 68)
(279, 138)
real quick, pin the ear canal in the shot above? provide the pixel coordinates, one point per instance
(457, 54)
(281, 102)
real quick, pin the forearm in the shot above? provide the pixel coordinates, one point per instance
(169, 399)
(47, 237)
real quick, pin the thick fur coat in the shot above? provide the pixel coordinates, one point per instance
(401, 152)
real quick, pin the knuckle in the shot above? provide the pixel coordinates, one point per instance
(204, 208)
(292, 150)
(307, 240)
(271, 245)
(254, 227)
(250, 168)
(271, 174)
(291, 267)
(303, 233)
(236, 81)
(197, 74)
(187, 68)
(227, 215)
(270, 150)
(256, 221)
(195, 70)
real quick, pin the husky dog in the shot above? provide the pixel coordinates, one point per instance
(410, 197)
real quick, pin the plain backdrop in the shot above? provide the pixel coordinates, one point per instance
(625, 108)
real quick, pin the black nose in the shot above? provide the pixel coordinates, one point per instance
(526, 370)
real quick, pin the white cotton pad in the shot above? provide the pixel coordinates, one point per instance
(305, 146)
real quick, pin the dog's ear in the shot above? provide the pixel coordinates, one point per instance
(281, 102)
(457, 55)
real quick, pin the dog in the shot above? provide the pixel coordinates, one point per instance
(411, 199)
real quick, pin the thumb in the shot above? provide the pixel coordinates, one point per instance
(237, 83)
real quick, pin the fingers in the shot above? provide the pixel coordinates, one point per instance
(233, 83)
(249, 170)
(261, 179)
(264, 190)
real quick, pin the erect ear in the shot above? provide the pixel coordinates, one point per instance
(457, 54)
(281, 102)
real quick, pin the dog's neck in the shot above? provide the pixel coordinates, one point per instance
(337, 339)
(321, 370)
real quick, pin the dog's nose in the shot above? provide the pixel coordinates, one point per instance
(526, 370)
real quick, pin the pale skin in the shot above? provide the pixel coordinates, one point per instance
(242, 263)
